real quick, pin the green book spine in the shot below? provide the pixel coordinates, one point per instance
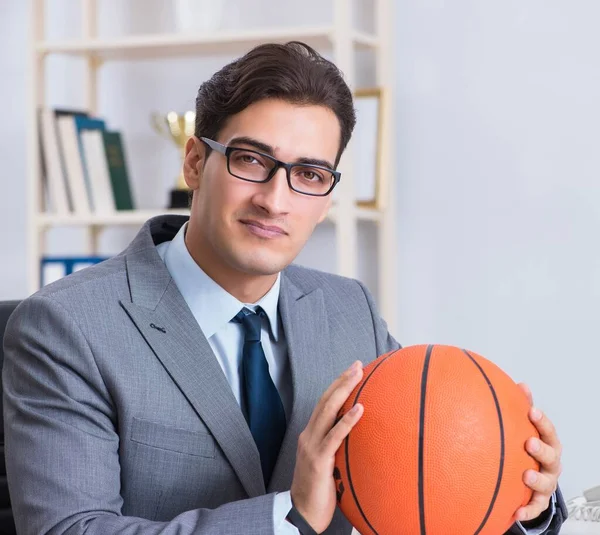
(117, 167)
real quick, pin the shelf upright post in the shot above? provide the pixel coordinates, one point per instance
(35, 98)
(346, 227)
(387, 247)
(89, 15)
(89, 29)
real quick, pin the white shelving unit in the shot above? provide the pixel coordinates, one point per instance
(340, 38)
(175, 45)
(138, 217)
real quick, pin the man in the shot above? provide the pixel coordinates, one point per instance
(188, 385)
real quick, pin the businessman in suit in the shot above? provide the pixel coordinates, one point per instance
(190, 385)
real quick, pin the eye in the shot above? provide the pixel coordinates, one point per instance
(247, 158)
(311, 176)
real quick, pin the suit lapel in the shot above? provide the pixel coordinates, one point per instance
(164, 320)
(306, 330)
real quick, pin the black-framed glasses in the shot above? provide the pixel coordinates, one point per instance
(254, 166)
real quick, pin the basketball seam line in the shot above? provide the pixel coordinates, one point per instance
(502, 444)
(421, 486)
(346, 447)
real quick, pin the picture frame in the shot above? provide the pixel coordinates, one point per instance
(367, 147)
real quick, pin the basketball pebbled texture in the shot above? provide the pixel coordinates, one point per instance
(440, 448)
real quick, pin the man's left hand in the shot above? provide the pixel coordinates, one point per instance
(547, 451)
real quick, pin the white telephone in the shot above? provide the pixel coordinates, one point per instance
(584, 514)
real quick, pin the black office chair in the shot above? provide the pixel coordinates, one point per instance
(7, 524)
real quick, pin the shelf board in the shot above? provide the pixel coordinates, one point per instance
(119, 218)
(181, 44)
(368, 214)
(362, 214)
(139, 217)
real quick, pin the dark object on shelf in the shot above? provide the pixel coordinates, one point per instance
(180, 198)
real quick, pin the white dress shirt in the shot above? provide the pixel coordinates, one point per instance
(214, 308)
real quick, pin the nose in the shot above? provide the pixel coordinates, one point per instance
(273, 197)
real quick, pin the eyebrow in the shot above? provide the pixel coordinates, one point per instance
(267, 149)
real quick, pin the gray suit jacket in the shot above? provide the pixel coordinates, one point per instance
(119, 419)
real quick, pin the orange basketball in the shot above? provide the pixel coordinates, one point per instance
(440, 448)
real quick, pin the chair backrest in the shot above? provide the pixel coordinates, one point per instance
(6, 309)
(7, 525)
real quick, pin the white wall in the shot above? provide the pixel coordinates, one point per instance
(13, 43)
(499, 197)
(497, 115)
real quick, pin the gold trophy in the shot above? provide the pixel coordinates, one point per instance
(177, 127)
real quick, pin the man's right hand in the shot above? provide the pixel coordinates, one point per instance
(313, 486)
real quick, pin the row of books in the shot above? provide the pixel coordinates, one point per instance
(83, 164)
(53, 268)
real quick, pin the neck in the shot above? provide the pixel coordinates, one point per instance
(245, 287)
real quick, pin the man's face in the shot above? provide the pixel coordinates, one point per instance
(259, 228)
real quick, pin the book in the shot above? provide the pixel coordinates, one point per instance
(117, 165)
(82, 124)
(71, 154)
(54, 268)
(98, 171)
(57, 191)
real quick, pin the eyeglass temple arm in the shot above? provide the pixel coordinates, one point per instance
(215, 145)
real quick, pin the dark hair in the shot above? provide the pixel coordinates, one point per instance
(293, 72)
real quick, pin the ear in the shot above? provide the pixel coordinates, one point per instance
(326, 208)
(193, 163)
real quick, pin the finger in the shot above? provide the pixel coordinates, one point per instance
(546, 455)
(339, 432)
(323, 417)
(538, 504)
(326, 418)
(348, 372)
(544, 484)
(527, 392)
(545, 428)
(332, 387)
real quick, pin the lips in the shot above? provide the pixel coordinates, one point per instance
(260, 229)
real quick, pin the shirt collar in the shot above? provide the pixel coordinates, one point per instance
(212, 306)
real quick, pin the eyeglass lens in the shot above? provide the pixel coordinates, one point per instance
(304, 178)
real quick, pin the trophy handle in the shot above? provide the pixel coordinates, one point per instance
(159, 126)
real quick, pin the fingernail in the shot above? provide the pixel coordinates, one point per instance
(355, 368)
(536, 414)
(534, 445)
(531, 478)
(354, 410)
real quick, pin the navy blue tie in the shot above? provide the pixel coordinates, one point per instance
(264, 409)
